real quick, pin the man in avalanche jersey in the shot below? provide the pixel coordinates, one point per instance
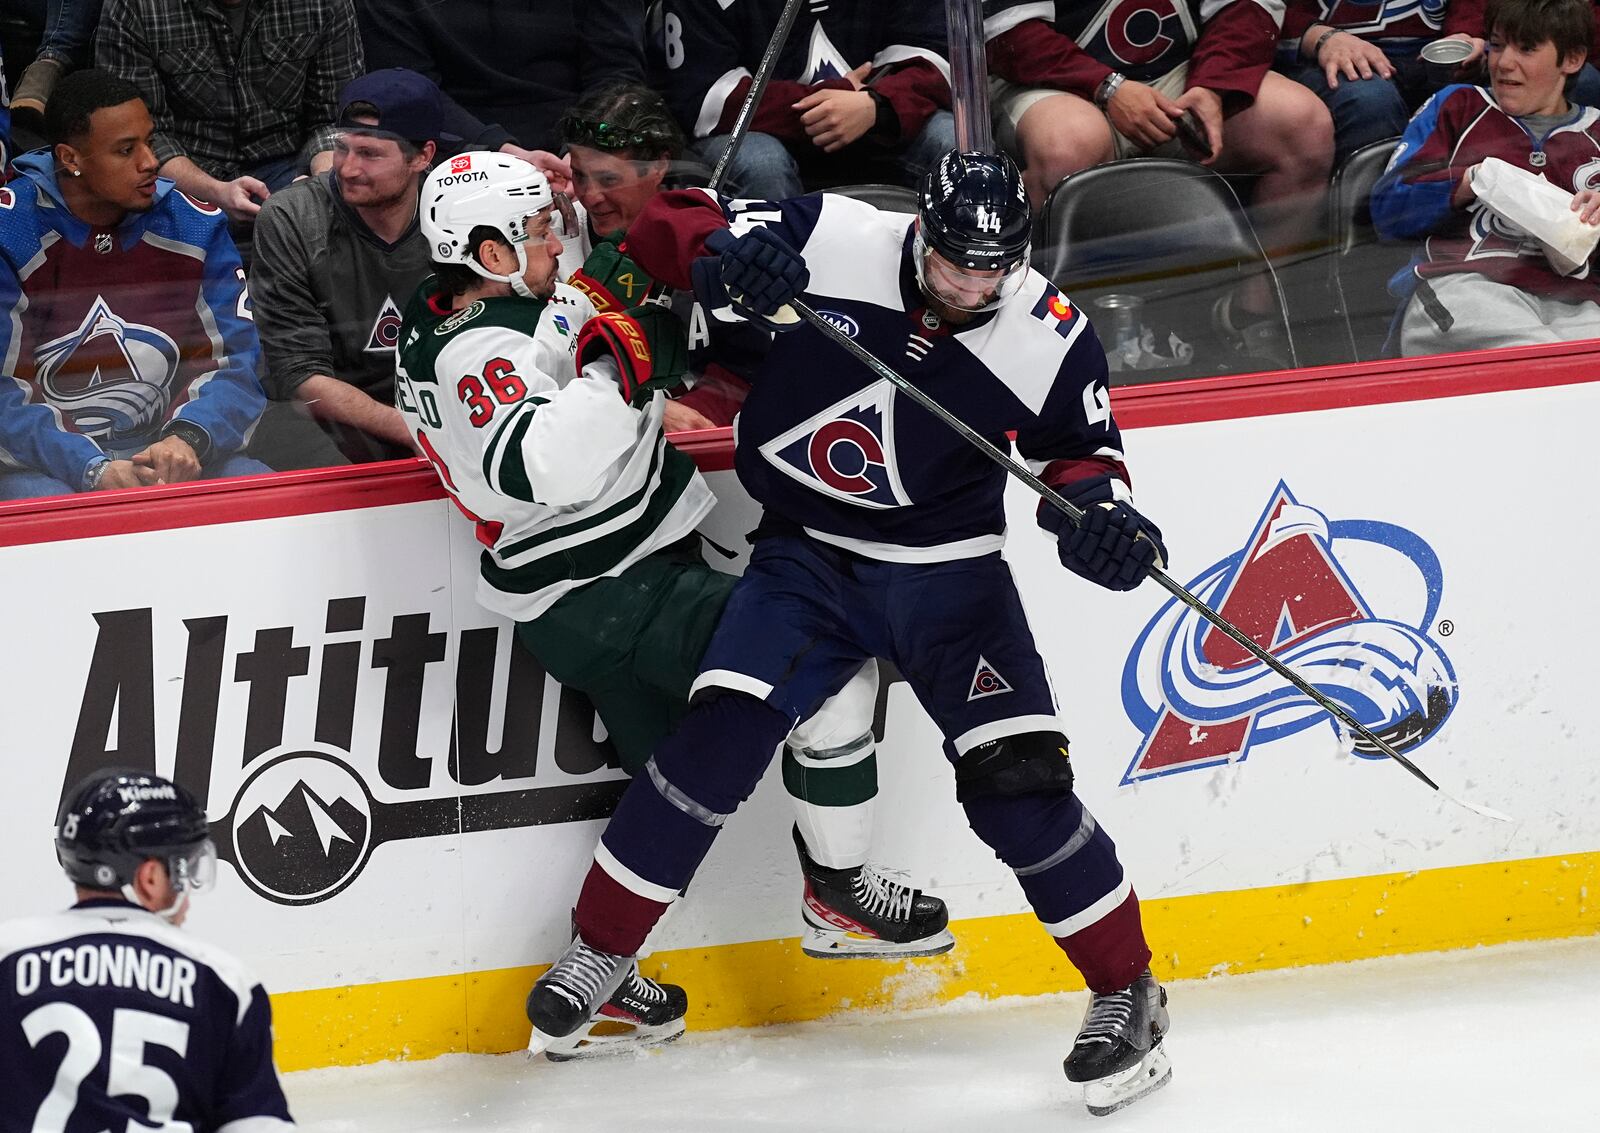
(1080, 82)
(130, 354)
(859, 93)
(1479, 281)
(543, 421)
(881, 537)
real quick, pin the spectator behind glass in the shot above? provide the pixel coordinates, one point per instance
(1363, 62)
(519, 64)
(1065, 100)
(624, 145)
(860, 92)
(1479, 280)
(68, 30)
(242, 91)
(131, 355)
(5, 122)
(336, 258)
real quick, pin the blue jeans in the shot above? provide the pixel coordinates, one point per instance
(31, 484)
(1364, 110)
(765, 169)
(68, 29)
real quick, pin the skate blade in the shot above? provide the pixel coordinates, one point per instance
(838, 944)
(608, 1036)
(1111, 1093)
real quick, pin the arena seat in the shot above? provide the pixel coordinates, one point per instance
(892, 198)
(1170, 233)
(1361, 265)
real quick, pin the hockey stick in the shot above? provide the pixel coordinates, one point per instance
(1171, 585)
(758, 84)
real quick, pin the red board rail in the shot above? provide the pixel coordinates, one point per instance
(1138, 406)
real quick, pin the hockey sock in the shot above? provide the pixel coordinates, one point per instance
(835, 793)
(671, 813)
(1068, 868)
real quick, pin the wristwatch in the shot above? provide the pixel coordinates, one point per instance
(191, 434)
(1107, 88)
(95, 473)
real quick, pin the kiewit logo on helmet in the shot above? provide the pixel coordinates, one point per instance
(144, 794)
(1346, 603)
(459, 164)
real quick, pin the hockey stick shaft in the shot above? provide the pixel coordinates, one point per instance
(758, 85)
(1076, 515)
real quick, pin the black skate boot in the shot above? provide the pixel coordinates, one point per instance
(1118, 1055)
(591, 1002)
(860, 912)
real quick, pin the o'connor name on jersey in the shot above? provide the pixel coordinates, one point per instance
(117, 965)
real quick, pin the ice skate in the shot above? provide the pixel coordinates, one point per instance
(861, 913)
(632, 1011)
(1118, 1055)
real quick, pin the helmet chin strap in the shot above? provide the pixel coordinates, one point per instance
(515, 282)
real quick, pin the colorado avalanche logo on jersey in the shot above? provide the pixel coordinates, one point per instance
(1366, 16)
(123, 388)
(846, 451)
(823, 60)
(1136, 35)
(385, 330)
(1202, 701)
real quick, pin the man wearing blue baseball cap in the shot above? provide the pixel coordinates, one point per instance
(336, 255)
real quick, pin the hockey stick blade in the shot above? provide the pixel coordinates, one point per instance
(1176, 589)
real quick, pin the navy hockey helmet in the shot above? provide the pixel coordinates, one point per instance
(973, 211)
(115, 821)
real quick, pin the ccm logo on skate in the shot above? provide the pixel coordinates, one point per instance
(1346, 603)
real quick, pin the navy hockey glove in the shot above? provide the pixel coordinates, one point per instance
(1114, 547)
(756, 274)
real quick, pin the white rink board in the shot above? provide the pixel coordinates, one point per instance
(1499, 486)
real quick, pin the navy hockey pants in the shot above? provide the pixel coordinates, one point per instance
(801, 620)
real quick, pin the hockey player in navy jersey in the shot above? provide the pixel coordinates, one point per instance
(881, 537)
(110, 1016)
(1480, 281)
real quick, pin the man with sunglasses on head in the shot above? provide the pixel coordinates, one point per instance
(880, 537)
(336, 258)
(110, 1016)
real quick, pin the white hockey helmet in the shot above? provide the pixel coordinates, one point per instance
(481, 188)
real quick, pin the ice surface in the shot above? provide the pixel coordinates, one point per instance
(1491, 1039)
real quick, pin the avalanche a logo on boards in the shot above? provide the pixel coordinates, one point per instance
(1300, 588)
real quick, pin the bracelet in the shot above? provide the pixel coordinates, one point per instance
(1316, 48)
(1108, 88)
(95, 473)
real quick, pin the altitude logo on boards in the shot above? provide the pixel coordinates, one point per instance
(1299, 588)
(326, 719)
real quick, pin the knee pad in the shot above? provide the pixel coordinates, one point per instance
(1022, 764)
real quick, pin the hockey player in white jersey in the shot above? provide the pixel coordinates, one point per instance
(543, 421)
(110, 1016)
